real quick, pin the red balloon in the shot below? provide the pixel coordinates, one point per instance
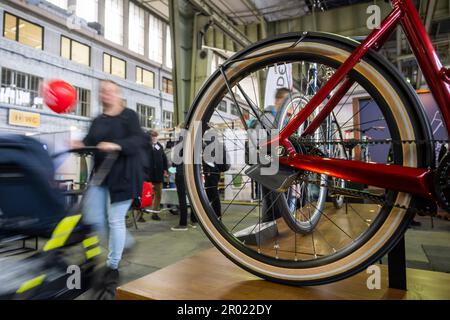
(59, 96)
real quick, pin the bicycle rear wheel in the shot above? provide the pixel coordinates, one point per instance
(344, 241)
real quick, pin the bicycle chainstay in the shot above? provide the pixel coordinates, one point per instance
(305, 143)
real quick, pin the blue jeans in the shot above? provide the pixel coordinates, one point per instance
(105, 216)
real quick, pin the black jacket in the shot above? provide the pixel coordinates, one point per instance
(126, 177)
(157, 163)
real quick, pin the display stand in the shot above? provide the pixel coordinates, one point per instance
(208, 275)
(397, 266)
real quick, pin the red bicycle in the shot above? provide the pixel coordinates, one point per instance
(352, 80)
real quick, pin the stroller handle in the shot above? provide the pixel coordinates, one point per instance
(83, 150)
(103, 169)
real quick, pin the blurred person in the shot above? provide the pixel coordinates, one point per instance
(157, 171)
(117, 129)
(212, 171)
(271, 113)
(168, 152)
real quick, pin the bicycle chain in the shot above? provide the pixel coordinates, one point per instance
(378, 199)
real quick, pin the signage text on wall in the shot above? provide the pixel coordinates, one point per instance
(24, 119)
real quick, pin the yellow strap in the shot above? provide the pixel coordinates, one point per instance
(93, 252)
(90, 241)
(27, 285)
(62, 232)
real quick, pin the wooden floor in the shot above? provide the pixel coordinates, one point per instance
(210, 276)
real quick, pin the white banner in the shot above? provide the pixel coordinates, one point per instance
(278, 77)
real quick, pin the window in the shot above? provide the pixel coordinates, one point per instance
(167, 86)
(167, 119)
(114, 21)
(115, 66)
(75, 51)
(168, 48)
(145, 77)
(156, 36)
(59, 3)
(234, 110)
(136, 27)
(23, 31)
(87, 10)
(146, 115)
(223, 106)
(20, 89)
(83, 107)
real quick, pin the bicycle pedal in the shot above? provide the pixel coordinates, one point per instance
(278, 182)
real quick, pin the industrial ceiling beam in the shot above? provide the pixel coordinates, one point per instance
(218, 17)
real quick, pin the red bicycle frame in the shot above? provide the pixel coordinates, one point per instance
(394, 177)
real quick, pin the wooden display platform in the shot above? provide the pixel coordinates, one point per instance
(210, 276)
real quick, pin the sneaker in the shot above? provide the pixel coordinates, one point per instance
(179, 228)
(156, 217)
(193, 225)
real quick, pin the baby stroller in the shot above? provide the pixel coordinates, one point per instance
(32, 205)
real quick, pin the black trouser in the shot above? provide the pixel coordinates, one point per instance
(270, 207)
(212, 191)
(181, 191)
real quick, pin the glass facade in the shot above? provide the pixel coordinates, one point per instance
(136, 27)
(20, 89)
(115, 66)
(145, 77)
(114, 21)
(167, 86)
(146, 115)
(87, 10)
(23, 31)
(156, 39)
(168, 48)
(83, 107)
(167, 119)
(75, 51)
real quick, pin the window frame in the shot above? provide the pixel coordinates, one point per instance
(70, 50)
(162, 89)
(234, 107)
(141, 83)
(159, 37)
(152, 111)
(110, 65)
(122, 13)
(164, 112)
(223, 103)
(129, 25)
(28, 80)
(17, 33)
(78, 106)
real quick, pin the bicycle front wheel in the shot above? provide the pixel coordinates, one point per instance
(242, 218)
